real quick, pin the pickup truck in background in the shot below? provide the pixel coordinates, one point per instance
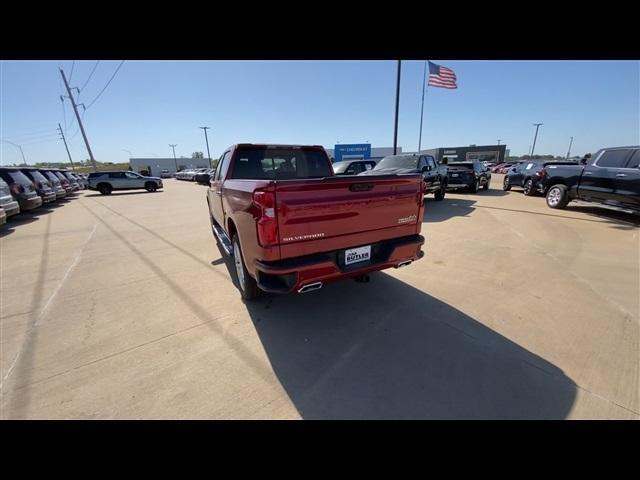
(291, 225)
(610, 177)
(433, 174)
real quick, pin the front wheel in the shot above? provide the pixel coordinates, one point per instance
(439, 195)
(557, 196)
(150, 187)
(105, 189)
(506, 186)
(474, 188)
(248, 286)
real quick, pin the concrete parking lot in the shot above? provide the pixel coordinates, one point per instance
(122, 307)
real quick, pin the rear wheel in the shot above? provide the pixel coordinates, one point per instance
(105, 189)
(557, 196)
(506, 186)
(474, 188)
(528, 188)
(248, 286)
(150, 187)
(439, 195)
(486, 186)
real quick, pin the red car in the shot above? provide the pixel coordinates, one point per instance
(292, 225)
(497, 167)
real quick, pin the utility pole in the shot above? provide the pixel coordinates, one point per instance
(173, 146)
(499, 141)
(569, 151)
(537, 125)
(207, 140)
(75, 109)
(65, 146)
(395, 130)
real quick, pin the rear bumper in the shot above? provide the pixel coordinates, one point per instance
(30, 204)
(290, 275)
(48, 197)
(60, 194)
(11, 208)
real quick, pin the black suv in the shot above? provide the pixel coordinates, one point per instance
(470, 174)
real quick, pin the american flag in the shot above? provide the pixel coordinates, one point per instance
(442, 77)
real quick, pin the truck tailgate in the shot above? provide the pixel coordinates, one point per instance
(317, 211)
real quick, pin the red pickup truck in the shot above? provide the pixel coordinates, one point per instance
(291, 225)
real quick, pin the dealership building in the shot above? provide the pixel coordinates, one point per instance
(155, 165)
(485, 153)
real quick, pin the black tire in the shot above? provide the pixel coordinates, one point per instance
(486, 186)
(528, 188)
(557, 196)
(248, 286)
(506, 186)
(474, 188)
(439, 195)
(150, 187)
(105, 189)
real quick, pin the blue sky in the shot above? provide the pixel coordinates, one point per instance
(150, 104)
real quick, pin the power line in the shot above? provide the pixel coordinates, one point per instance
(105, 87)
(36, 133)
(90, 75)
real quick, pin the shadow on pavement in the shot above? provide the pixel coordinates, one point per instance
(385, 350)
(115, 193)
(610, 215)
(449, 207)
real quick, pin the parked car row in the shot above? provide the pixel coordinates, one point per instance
(190, 173)
(611, 177)
(26, 188)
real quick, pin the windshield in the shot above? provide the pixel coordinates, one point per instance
(4, 188)
(397, 161)
(21, 179)
(280, 163)
(37, 176)
(340, 167)
(55, 180)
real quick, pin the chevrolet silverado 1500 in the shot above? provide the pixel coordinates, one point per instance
(291, 225)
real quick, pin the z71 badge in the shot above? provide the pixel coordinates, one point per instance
(409, 219)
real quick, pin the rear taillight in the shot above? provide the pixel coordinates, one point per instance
(17, 189)
(267, 223)
(541, 173)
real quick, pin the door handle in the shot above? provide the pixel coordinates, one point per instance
(621, 174)
(588, 173)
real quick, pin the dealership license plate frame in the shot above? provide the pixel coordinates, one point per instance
(358, 255)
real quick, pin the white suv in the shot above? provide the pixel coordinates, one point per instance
(106, 182)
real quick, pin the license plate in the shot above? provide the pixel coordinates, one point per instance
(455, 175)
(355, 255)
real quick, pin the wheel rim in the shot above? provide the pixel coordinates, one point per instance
(506, 182)
(237, 259)
(554, 196)
(527, 187)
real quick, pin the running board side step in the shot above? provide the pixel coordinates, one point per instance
(222, 238)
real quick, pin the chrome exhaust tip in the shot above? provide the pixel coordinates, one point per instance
(310, 287)
(404, 264)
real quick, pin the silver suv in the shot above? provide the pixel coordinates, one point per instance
(106, 182)
(7, 203)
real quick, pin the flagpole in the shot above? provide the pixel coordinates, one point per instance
(395, 131)
(424, 88)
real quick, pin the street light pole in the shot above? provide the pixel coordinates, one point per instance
(20, 147)
(207, 140)
(569, 151)
(395, 129)
(173, 146)
(537, 125)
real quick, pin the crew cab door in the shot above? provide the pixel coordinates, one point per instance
(627, 182)
(431, 176)
(214, 193)
(598, 180)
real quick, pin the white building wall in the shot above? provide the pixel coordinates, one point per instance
(158, 164)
